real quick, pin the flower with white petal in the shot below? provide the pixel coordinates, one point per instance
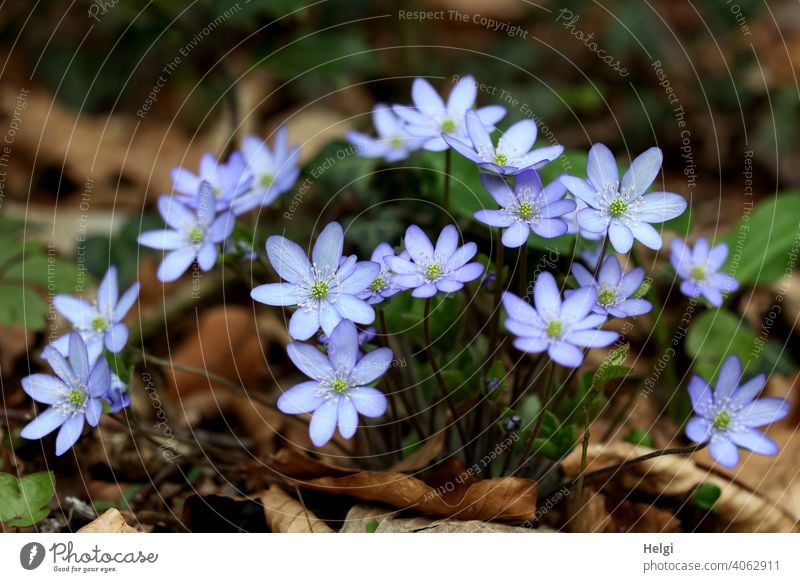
(393, 142)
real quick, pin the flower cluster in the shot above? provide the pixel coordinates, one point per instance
(83, 384)
(201, 212)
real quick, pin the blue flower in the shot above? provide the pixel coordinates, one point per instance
(622, 209)
(727, 416)
(614, 288)
(513, 153)
(325, 290)
(339, 387)
(383, 286)
(528, 207)
(699, 268)
(428, 269)
(74, 394)
(571, 218)
(228, 181)
(100, 324)
(273, 171)
(560, 328)
(194, 234)
(393, 142)
(430, 117)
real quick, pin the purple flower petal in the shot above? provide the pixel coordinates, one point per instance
(581, 189)
(57, 362)
(329, 318)
(550, 227)
(764, 411)
(79, 312)
(728, 378)
(498, 188)
(463, 95)
(700, 394)
(304, 323)
(467, 273)
(368, 401)
(288, 259)
(425, 96)
(601, 167)
(207, 256)
(343, 345)
(424, 291)
(578, 305)
(328, 248)
(99, 380)
(362, 277)
(749, 390)
(78, 357)
(717, 256)
(724, 452)
(126, 302)
(620, 235)
(478, 133)
(643, 171)
(94, 410)
(531, 345)
(565, 354)
(43, 388)
(448, 285)
(490, 114)
(463, 148)
(558, 208)
(355, 309)
(44, 424)
(323, 422)
(516, 235)
(116, 337)
(310, 361)
(517, 308)
(698, 429)
(546, 295)
(518, 139)
(418, 244)
(646, 234)
(108, 291)
(447, 243)
(277, 294)
(592, 220)
(582, 275)
(498, 218)
(401, 266)
(69, 433)
(163, 240)
(594, 338)
(175, 264)
(756, 441)
(461, 256)
(347, 418)
(660, 207)
(301, 398)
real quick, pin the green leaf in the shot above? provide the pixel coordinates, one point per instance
(713, 337)
(706, 495)
(761, 244)
(22, 306)
(46, 272)
(23, 502)
(638, 436)
(372, 526)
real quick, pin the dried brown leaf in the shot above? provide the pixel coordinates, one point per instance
(286, 515)
(111, 521)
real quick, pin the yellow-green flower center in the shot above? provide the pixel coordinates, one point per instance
(500, 159)
(618, 207)
(448, 125)
(196, 235)
(606, 296)
(698, 273)
(216, 191)
(319, 289)
(75, 397)
(554, 328)
(339, 385)
(525, 210)
(433, 271)
(378, 285)
(722, 420)
(396, 142)
(99, 323)
(266, 179)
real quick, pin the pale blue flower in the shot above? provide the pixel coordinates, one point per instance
(431, 117)
(699, 268)
(228, 181)
(728, 415)
(383, 286)
(622, 210)
(614, 288)
(393, 142)
(325, 290)
(513, 153)
(339, 387)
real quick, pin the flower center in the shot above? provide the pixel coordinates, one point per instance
(378, 285)
(75, 397)
(722, 420)
(196, 235)
(618, 207)
(319, 289)
(448, 125)
(433, 271)
(396, 142)
(216, 191)
(99, 323)
(339, 385)
(554, 328)
(525, 210)
(266, 179)
(698, 273)
(606, 296)
(500, 159)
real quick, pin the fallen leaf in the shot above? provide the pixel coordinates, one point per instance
(365, 518)
(676, 476)
(286, 515)
(111, 521)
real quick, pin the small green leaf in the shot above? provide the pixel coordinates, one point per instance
(372, 526)
(23, 502)
(706, 496)
(713, 337)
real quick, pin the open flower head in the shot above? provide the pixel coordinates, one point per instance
(513, 153)
(621, 209)
(526, 208)
(383, 286)
(561, 328)
(273, 171)
(339, 389)
(427, 269)
(99, 323)
(614, 287)
(193, 233)
(728, 415)
(74, 394)
(228, 181)
(431, 116)
(393, 143)
(325, 290)
(699, 267)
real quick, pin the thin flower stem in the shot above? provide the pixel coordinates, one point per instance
(587, 405)
(603, 252)
(619, 466)
(523, 270)
(548, 386)
(494, 328)
(438, 375)
(447, 164)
